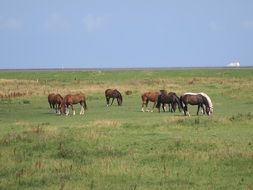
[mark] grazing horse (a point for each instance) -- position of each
(194, 99)
(69, 100)
(146, 97)
(54, 101)
(110, 93)
(171, 99)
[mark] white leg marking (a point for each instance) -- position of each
(82, 111)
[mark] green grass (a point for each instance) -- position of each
(121, 147)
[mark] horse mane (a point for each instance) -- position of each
(190, 93)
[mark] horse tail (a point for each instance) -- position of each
(181, 102)
(85, 105)
(178, 102)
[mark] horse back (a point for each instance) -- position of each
(151, 96)
(74, 99)
(192, 99)
(50, 97)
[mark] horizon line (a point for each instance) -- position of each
(119, 68)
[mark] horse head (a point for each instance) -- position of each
(62, 107)
(207, 105)
(120, 99)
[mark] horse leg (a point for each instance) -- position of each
(82, 108)
(112, 100)
(67, 110)
(153, 106)
(57, 108)
(146, 106)
(186, 110)
(159, 107)
(163, 107)
(107, 101)
(203, 108)
(73, 110)
(198, 110)
(142, 107)
(170, 107)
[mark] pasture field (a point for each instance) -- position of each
(122, 147)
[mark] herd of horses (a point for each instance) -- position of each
(162, 98)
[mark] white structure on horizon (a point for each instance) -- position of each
(234, 64)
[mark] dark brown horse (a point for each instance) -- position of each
(110, 93)
(54, 101)
(194, 99)
(171, 99)
(146, 97)
(69, 100)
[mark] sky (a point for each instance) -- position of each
(125, 33)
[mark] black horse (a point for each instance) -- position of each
(110, 93)
(194, 99)
(171, 99)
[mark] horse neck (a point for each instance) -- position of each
(177, 98)
(205, 101)
(120, 97)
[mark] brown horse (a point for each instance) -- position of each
(110, 93)
(69, 100)
(54, 101)
(171, 99)
(149, 96)
(194, 99)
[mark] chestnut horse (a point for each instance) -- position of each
(69, 100)
(195, 99)
(171, 99)
(54, 101)
(110, 93)
(146, 97)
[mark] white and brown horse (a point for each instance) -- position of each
(196, 99)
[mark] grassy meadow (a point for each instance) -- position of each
(122, 147)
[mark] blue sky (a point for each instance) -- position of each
(130, 33)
